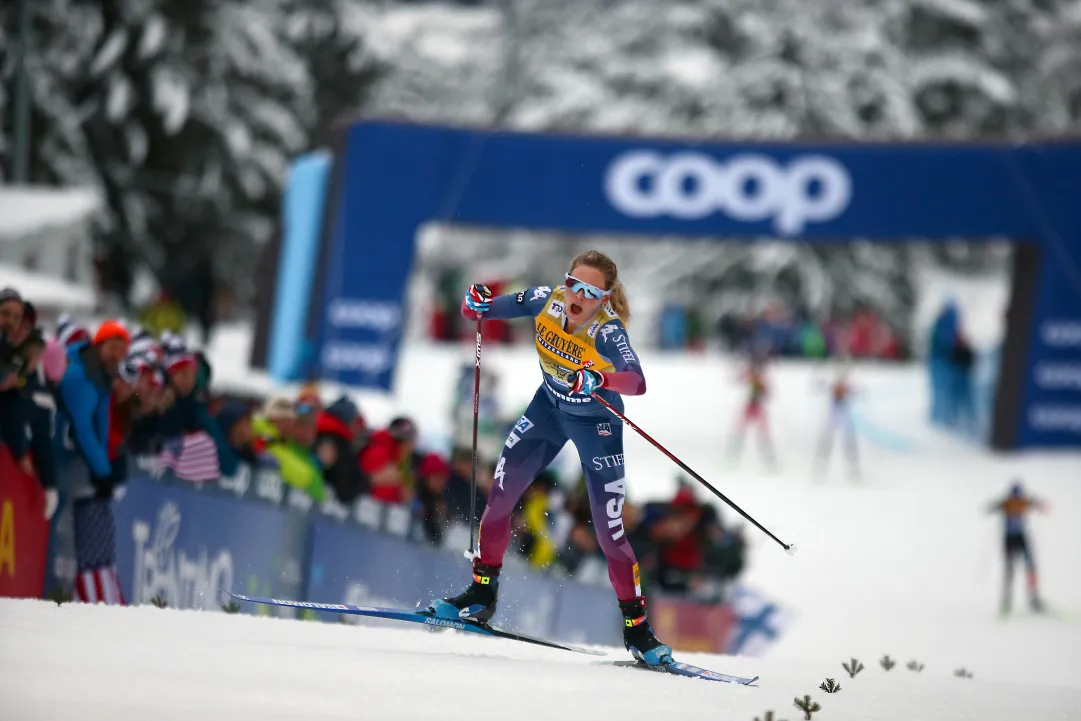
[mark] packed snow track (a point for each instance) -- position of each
(91, 663)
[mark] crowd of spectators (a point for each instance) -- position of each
(777, 329)
(787, 333)
(117, 392)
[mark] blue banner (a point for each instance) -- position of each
(182, 544)
(350, 565)
(397, 177)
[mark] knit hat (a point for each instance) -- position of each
(345, 410)
(176, 354)
(69, 332)
(402, 429)
(30, 314)
(230, 414)
(143, 343)
(309, 394)
(433, 465)
(279, 408)
(10, 294)
(128, 371)
(111, 330)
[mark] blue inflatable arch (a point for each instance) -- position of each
(386, 179)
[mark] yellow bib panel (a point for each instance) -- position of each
(562, 353)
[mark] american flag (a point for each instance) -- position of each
(192, 457)
(99, 585)
(95, 552)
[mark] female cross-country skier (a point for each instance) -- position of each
(839, 423)
(754, 411)
(583, 349)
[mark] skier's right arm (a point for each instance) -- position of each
(479, 303)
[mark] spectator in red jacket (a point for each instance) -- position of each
(388, 461)
(337, 447)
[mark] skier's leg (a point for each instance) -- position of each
(530, 447)
(735, 443)
(850, 440)
(1007, 579)
(825, 444)
(1030, 576)
(765, 441)
(600, 446)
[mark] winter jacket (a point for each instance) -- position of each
(84, 400)
(345, 476)
(40, 407)
(189, 414)
(383, 450)
(298, 467)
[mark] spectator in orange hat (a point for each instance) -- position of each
(84, 399)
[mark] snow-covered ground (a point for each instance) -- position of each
(902, 562)
(112, 664)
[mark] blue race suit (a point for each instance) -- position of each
(557, 414)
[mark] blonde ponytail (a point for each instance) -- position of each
(607, 266)
(618, 299)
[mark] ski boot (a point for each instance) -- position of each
(638, 635)
(478, 601)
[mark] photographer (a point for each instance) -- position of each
(13, 431)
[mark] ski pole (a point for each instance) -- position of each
(789, 547)
(471, 553)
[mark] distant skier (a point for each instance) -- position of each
(754, 411)
(1013, 508)
(583, 348)
(839, 422)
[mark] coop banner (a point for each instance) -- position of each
(182, 544)
(397, 177)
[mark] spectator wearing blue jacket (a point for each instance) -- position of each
(84, 399)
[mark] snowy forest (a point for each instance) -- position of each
(186, 114)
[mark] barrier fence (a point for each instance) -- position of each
(183, 543)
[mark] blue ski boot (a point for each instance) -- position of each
(478, 601)
(638, 636)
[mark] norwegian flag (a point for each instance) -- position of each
(192, 457)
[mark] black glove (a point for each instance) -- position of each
(103, 487)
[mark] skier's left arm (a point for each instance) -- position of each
(614, 344)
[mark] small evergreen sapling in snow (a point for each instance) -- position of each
(887, 662)
(830, 686)
(853, 667)
(767, 717)
(159, 601)
(962, 673)
(915, 665)
(60, 595)
(807, 706)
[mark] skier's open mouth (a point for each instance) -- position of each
(575, 309)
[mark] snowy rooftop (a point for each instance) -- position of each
(26, 210)
(45, 291)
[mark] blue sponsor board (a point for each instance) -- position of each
(359, 567)
(183, 544)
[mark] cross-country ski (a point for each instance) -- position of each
(427, 619)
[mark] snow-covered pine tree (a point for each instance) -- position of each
(186, 115)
